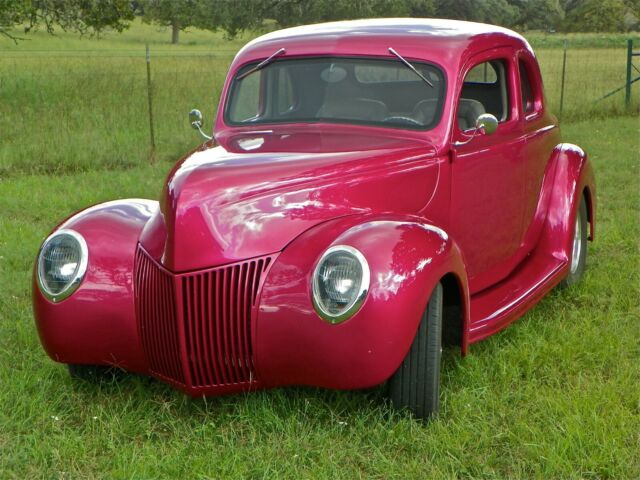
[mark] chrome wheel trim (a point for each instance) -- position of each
(577, 245)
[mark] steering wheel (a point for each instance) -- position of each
(401, 119)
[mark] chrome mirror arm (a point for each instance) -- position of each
(471, 137)
(198, 126)
(195, 118)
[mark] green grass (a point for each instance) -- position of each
(71, 104)
(556, 395)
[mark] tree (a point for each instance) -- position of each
(537, 14)
(78, 15)
(596, 16)
(239, 15)
(498, 12)
(177, 14)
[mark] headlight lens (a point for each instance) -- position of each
(340, 283)
(62, 263)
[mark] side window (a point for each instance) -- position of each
(484, 90)
(528, 100)
(482, 73)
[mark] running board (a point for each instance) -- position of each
(496, 307)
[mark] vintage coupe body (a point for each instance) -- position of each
(374, 190)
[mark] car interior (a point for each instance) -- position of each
(484, 91)
(362, 91)
(380, 92)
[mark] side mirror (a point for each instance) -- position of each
(195, 119)
(487, 123)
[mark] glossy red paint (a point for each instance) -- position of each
(496, 213)
(294, 346)
(97, 324)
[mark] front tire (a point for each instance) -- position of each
(578, 259)
(416, 384)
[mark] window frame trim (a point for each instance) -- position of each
(533, 73)
(508, 55)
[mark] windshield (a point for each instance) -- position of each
(334, 89)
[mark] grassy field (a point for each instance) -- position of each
(69, 104)
(556, 395)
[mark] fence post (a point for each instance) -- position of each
(152, 136)
(627, 92)
(564, 70)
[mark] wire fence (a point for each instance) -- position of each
(62, 111)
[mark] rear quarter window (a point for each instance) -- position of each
(482, 73)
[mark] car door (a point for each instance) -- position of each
(487, 189)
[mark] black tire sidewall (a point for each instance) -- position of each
(416, 384)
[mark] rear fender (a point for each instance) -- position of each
(573, 178)
(406, 257)
(97, 324)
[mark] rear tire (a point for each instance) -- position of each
(92, 373)
(416, 384)
(578, 260)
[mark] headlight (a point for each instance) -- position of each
(340, 283)
(62, 263)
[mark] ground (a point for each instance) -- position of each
(556, 395)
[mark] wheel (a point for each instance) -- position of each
(416, 384)
(579, 249)
(92, 373)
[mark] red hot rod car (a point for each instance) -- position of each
(374, 190)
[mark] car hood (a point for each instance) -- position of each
(252, 193)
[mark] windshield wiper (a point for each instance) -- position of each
(410, 67)
(262, 64)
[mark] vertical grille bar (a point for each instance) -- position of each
(156, 313)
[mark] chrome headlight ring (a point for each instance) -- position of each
(350, 267)
(71, 248)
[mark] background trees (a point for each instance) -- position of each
(234, 16)
(83, 16)
(550, 15)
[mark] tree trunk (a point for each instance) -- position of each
(175, 32)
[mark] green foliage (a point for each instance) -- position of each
(179, 14)
(596, 16)
(79, 15)
(568, 15)
(236, 16)
(498, 12)
(537, 14)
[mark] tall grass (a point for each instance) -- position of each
(73, 104)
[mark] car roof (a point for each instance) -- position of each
(441, 37)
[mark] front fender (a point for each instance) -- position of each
(407, 258)
(97, 324)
